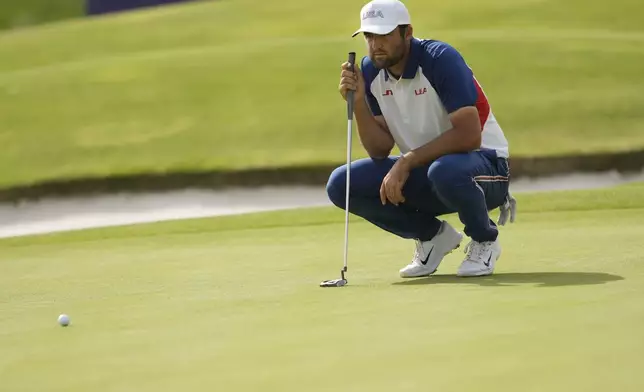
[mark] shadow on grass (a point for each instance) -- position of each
(541, 279)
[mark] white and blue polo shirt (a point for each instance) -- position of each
(436, 81)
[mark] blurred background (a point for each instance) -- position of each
(104, 96)
(33, 12)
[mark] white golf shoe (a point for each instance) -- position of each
(481, 258)
(429, 254)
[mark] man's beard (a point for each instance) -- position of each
(388, 62)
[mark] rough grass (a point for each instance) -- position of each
(246, 83)
(26, 13)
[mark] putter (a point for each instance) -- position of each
(343, 281)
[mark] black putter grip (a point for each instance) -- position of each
(352, 61)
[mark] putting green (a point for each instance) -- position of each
(233, 303)
(247, 83)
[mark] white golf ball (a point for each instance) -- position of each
(63, 320)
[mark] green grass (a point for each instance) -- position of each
(232, 303)
(247, 83)
(25, 13)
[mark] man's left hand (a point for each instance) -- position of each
(392, 184)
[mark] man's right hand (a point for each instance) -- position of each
(351, 81)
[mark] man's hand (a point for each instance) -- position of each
(351, 81)
(391, 187)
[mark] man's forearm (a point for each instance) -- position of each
(453, 141)
(376, 140)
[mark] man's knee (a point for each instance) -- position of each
(366, 177)
(447, 170)
(336, 186)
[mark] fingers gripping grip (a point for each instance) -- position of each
(352, 61)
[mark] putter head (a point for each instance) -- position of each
(334, 283)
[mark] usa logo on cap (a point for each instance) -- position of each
(372, 14)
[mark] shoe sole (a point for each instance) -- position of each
(458, 245)
(476, 274)
(481, 273)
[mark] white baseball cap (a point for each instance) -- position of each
(382, 17)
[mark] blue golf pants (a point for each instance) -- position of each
(470, 184)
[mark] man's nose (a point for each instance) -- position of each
(377, 44)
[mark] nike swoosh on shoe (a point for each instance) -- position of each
(427, 258)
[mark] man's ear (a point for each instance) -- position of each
(409, 33)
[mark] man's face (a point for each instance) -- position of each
(386, 50)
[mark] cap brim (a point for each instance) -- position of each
(380, 30)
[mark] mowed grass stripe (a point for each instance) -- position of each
(628, 42)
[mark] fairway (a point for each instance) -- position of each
(221, 85)
(233, 304)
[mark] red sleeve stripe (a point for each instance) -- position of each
(482, 104)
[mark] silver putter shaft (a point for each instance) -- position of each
(346, 198)
(343, 281)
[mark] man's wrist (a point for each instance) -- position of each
(360, 104)
(407, 160)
